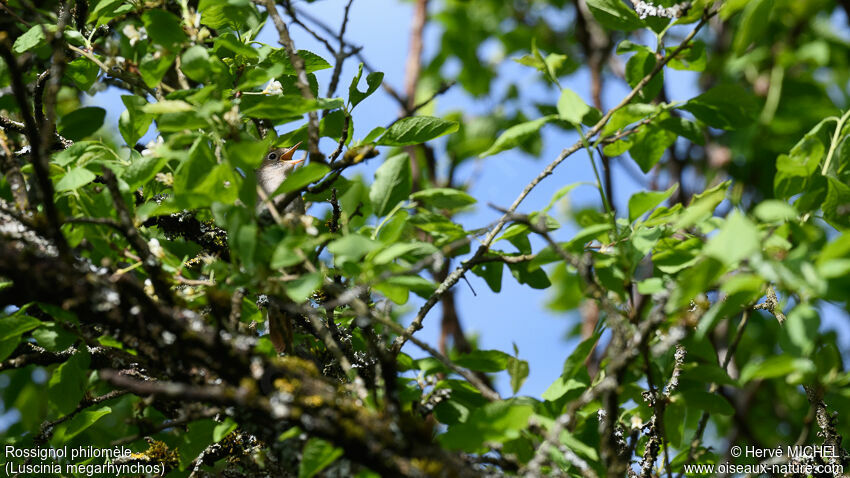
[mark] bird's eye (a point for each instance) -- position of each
(272, 156)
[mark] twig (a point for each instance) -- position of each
(21, 128)
(443, 88)
(703, 421)
(119, 73)
(294, 15)
(38, 96)
(189, 417)
(771, 304)
(346, 124)
(302, 81)
(486, 391)
(357, 52)
(211, 393)
(13, 14)
(97, 221)
(340, 55)
(47, 428)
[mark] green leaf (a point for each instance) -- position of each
(614, 15)
(373, 82)
(575, 362)
(559, 194)
(692, 58)
(416, 130)
(710, 402)
(703, 205)
(351, 248)
(53, 337)
(284, 254)
(302, 288)
(492, 274)
(639, 66)
(373, 135)
(67, 385)
(649, 145)
(725, 106)
(684, 128)
(568, 290)
(230, 42)
(836, 207)
(397, 287)
(167, 106)
(754, 22)
(399, 249)
(651, 286)
(393, 183)
(81, 421)
(518, 371)
(8, 346)
(17, 324)
(534, 276)
(571, 107)
(316, 456)
(562, 386)
(163, 28)
(302, 177)
(738, 239)
(443, 198)
(643, 201)
(517, 134)
(627, 115)
(312, 61)
(777, 366)
(801, 328)
(83, 72)
(549, 66)
(134, 121)
(494, 422)
(80, 123)
(247, 155)
(195, 63)
(196, 439)
(284, 108)
(224, 428)
(74, 179)
(774, 210)
(490, 361)
(31, 38)
(231, 14)
(103, 11)
(154, 67)
(142, 169)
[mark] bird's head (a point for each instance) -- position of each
(280, 159)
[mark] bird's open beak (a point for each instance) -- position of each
(287, 155)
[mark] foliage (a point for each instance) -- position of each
(155, 300)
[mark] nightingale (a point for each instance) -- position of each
(276, 167)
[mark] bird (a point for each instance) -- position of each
(275, 168)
